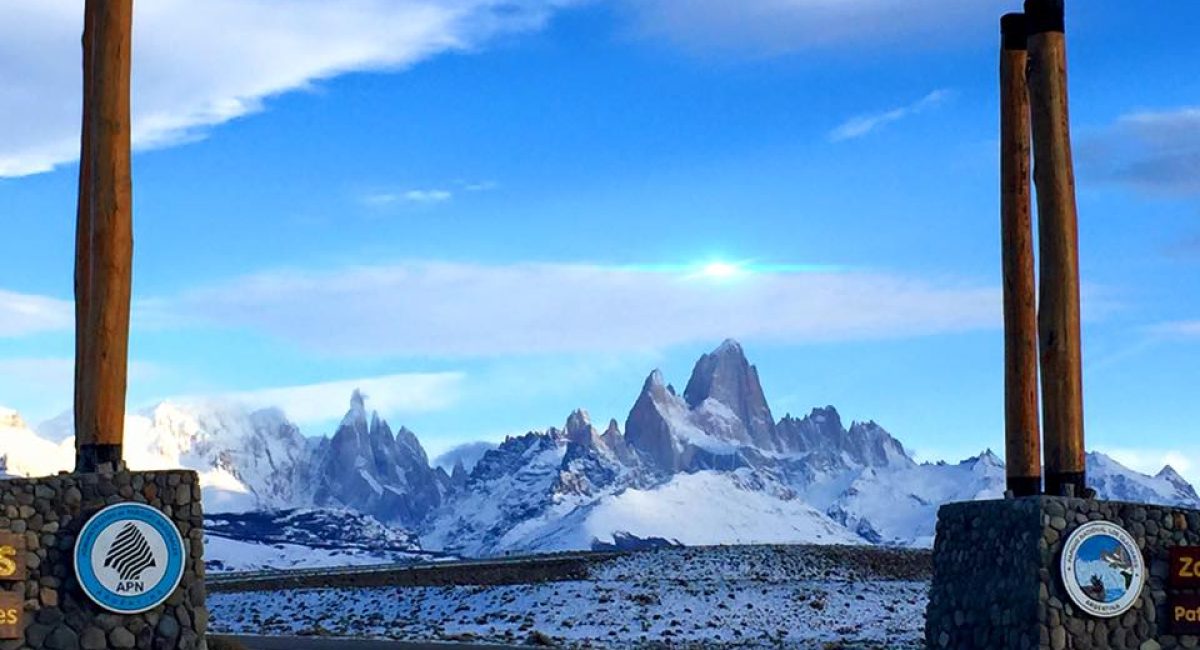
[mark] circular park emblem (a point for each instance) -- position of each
(129, 557)
(1103, 569)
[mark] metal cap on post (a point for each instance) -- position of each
(1021, 431)
(1058, 239)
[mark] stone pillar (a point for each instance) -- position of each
(997, 583)
(50, 512)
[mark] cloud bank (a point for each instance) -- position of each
(399, 394)
(1157, 152)
(1178, 329)
(457, 310)
(23, 314)
(199, 64)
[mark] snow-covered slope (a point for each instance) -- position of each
(508, 494)
(246, 459)
(708, 508)
(306, 538)
(1112, 480)
(898, 505)
(24, 453)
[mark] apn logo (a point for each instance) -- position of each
(130, 555)
(129, 558)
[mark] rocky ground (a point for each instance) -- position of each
(754, 596)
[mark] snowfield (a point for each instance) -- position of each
(227, 555)
(758, 596)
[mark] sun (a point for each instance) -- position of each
(721, 270)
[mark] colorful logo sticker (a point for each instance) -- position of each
(1103, 569)
(129, 558)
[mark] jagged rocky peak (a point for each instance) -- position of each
(1182, 487)
(459, 477)
(615, 443)
(579, 428)
(864, 444)
(987, 459)
(725, 376)
(358, 408)
(649, 426)
(1168, 473)
(371, 469)
(872, 445)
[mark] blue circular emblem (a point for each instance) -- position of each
(1103, 569)
(129, 558)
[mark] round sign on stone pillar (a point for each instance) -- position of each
(129, 558)
(1103, 569)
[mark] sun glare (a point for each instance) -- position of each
(721, 270)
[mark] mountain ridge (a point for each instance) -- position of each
(710, 466)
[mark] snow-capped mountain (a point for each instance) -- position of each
(710, 466)
(368, 468)
(1113, 480)
(246, 459)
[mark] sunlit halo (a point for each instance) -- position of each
(721, 270)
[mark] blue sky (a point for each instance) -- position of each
(489, 213)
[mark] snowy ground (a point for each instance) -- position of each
(223, 555)
(746, 596)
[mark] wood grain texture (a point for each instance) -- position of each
(83, 245)
(1058, 236)
(106, 213)
(1021, 430)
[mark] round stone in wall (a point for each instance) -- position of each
(1103, 569)
(129, 558)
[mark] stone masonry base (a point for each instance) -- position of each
(996, 581)
(50, 511)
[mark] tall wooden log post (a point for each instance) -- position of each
(1058, 236)
(104, 235)
(1021, 435)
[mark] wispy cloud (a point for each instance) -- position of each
(781, 26)
(398, 394)
(1177, 329)
(22, 314)
(471, 310)
(480, 186)
(200, 64)
(419, 197)
(861, 125)
(1153, 151)
(426, 196)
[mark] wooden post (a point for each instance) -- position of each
(1021, 436)
(1058, 236)
(104, 235)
